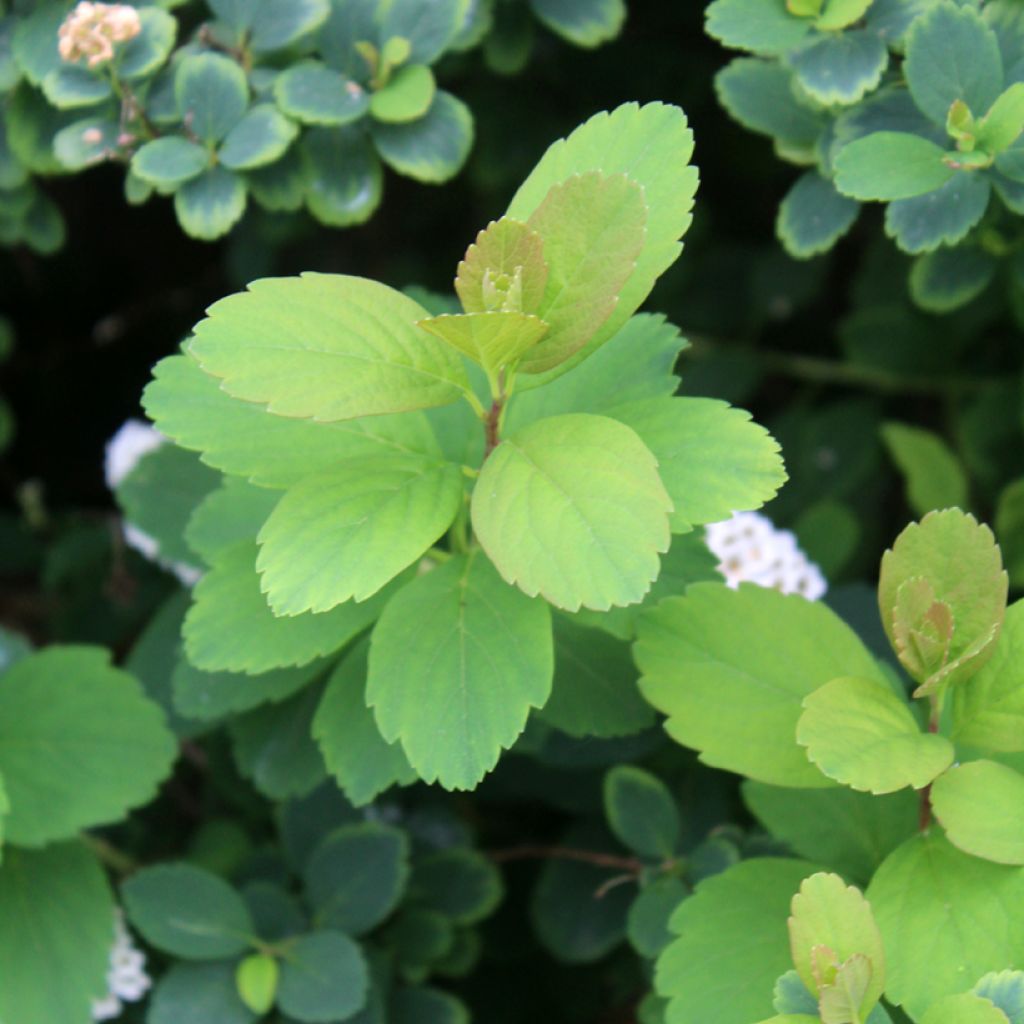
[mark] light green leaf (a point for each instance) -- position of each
(240, 437)
(328, 347)
(836, 14)
(964, 1008)
(733, 926)
(55, 900)
(946, 919)
(406, 97)
(947, 279)
(493, 340)
(169, 162)
(356, 754)
(324, 978)
(259, 138)
(813, 216)
(652, 146)
(1004, 122)
(890, 165)
(712, 459)
(952, 55)
(848, 831)
(828, 913)
(593, 227)
(201, 993)
(343, 177)
(959, 563)
(942, 217)
(934, 478)
(79, 744)
(482, 657)
(504, 269)
(858, 732)
(344, 535)
(210, 205)
(641, 812)
(761, 26)
(842, 67)
(212, 93)
(315, 94)
(582, 22)
(188, 912)
(988, 708)
(981, 806)
(432, 148)
(233, 512)
(731, 668)
(256, 980)
(541, 511)
(230, 627)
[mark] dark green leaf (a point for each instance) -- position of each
(942, 217)
(315, 94)
(641, 812)
(433, 148)
(198, 994)
(211, 93)
(840, 67)
(324, 978)
(814, 216)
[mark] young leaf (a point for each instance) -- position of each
(731, 667)
(188, 912)
(503, 269)
(344, 535)
(840, 67)
(327, 347)
(541, 512)
(641, 812)
(1004, 122)
(981, 806)
(432, 148)
(652, 146)
(960, 562)
(256, 980)
(594, 229)
(763, 27)
(483, 657)
(201, 993)
(315, 94)
(858, 732)
(80, 744)
(212, 93)
(934, 477)
(406, 97)
(966, 913)
(323, 978)
(890, 165)
(493, 340)
(813, 216)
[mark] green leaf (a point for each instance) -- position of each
(813, 216)
(343, 177)
(981, 806)
(1006, 990)
(828, 913)
(1004, 122)
(357, 876)
(731, 668)
(760, 26)
(649, 915)
(462, 884)
(432, 148)
(84, 143)
(946, 919)
(540, 511)
(712, 459)
(188, 912)
(418, 939)
(71, 87)
(259, 138)
(504, 269)
(838, 14)
(79, 744)
(328, 347)
(169, 162)
(858, 732)
(230, 627)
(641, 812)
(964, 1008)
(483, 657)
(582, 22)
(652, 146)
(429, 28)
(201, 993)
(733, 926)
(210, 205)
(273, 451)
(406, 97)
(947, 279)
(323, 978)
(362, 763)
(890, 165)
(275, 26)
(840, 67)
(344, 535)
(144, 54)
(988, 708)
(425, 1006)
(760, 95)
(942, 217)
(233, 512)
(848, 831)
(312, 93)
(34, 45)
(1009, 525)
(952, 55)
(959, 602)
(934, 477)
(493, 340)
(212, 93)
(594, 691)
(56, 899)
(593, 229)
(279, 187)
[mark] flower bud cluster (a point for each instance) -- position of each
(127, 980)
(90, 31)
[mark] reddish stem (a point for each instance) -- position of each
(630, 865)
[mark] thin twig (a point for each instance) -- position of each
(632, 865)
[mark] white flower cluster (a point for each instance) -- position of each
(750, 550)
(133, 440)
(91, 30)
(127, 980)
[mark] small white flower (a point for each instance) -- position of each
(127, 980)
(750, 550)
(90, 31)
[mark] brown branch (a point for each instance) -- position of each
(630, 865)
